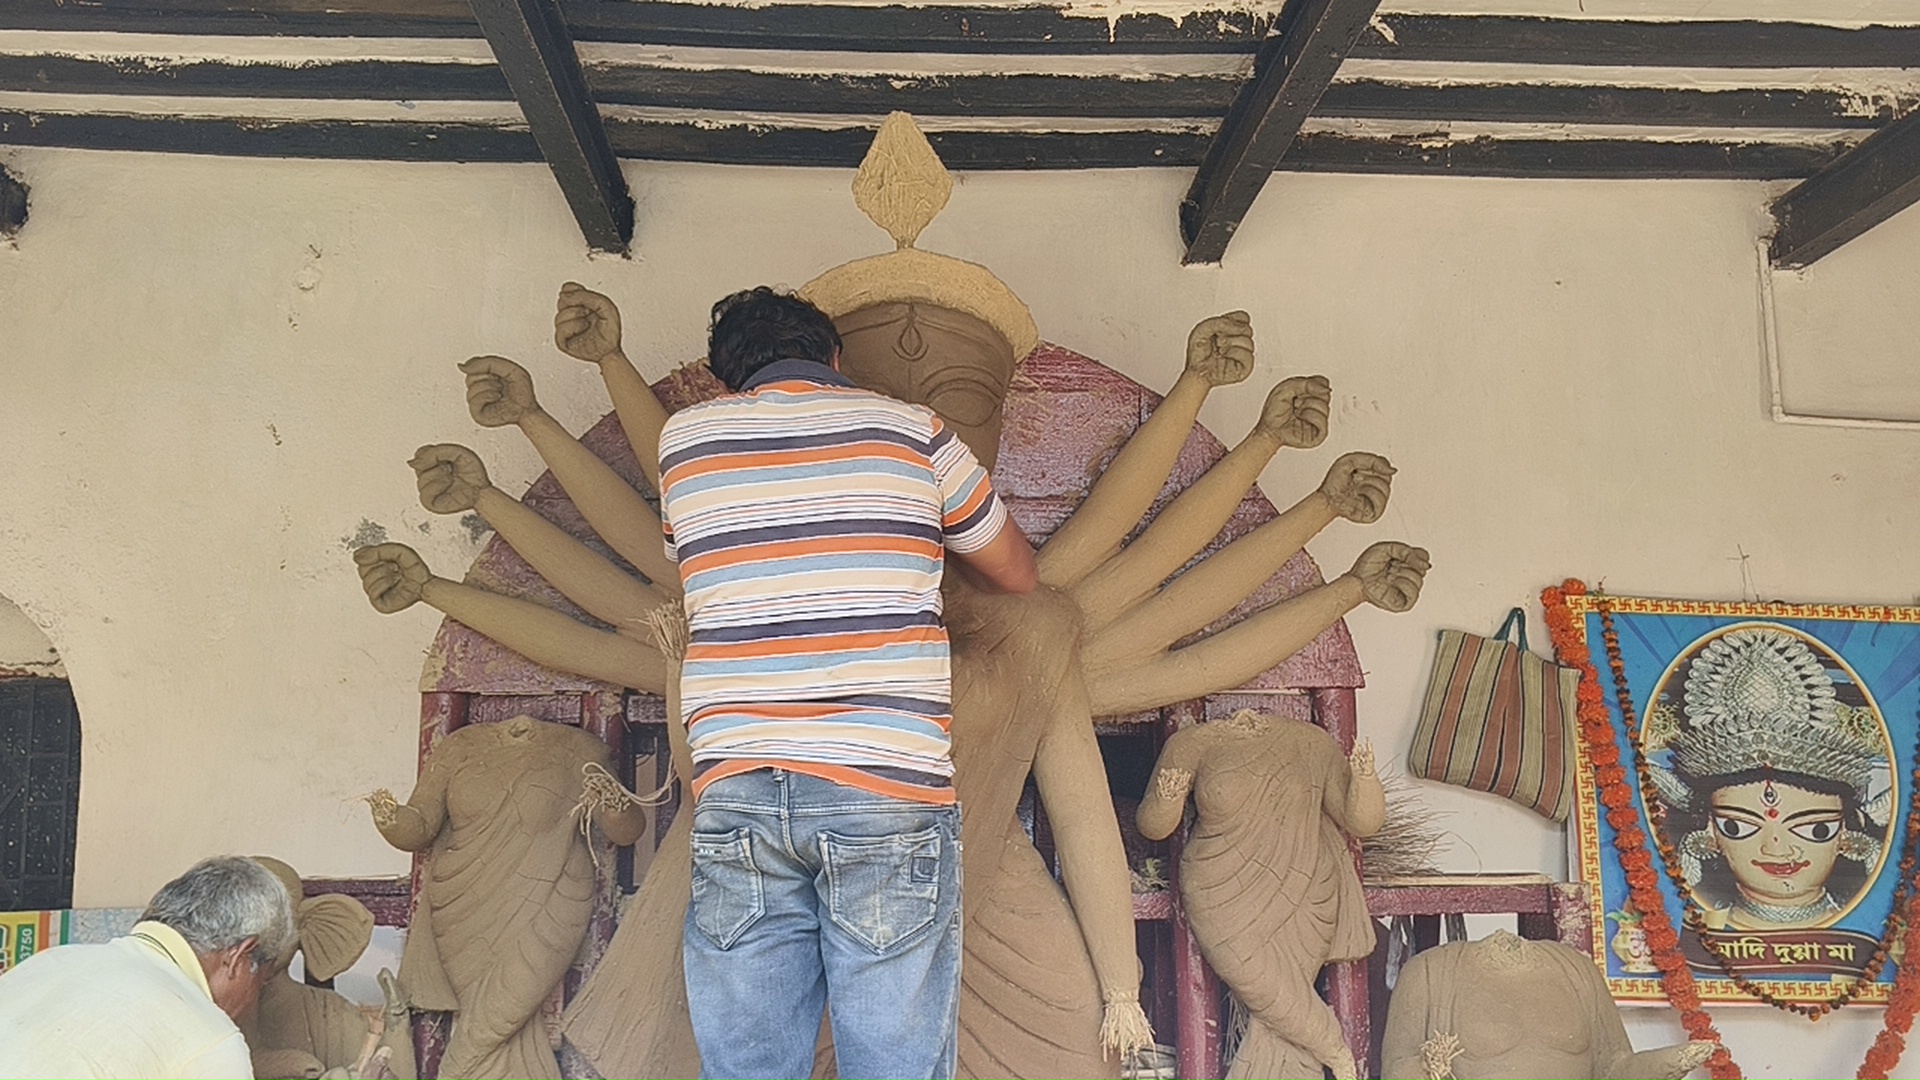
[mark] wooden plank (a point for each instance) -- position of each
(536, 54)
(1029, 28)
(1541, 103)
(1290, 74)
(1692, 43)
(1036, 95)
(1874, 181)
(843, 147)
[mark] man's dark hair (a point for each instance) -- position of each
(754, 328)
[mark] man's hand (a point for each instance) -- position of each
(1358, 485)
(1220, 349)
(586, 325)
(1390, 574)
(451, 477)
(499, 391)
(393, 575)
(1296, 411)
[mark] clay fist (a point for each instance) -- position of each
(451, 477)
(393, 576)
(1220, 349)
(1391, 573)
(586, 325)
(499, 391)
(1358, 485)
(1296, 411)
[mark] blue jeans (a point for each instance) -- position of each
(810, 895)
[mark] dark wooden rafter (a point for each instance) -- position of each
(1290, 74)
(1186, 96)
(1031, 28)
(536, 55)
(843, 147)
(1874, 181)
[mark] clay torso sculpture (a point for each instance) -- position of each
(1267, 878)
(298, 1030)
(1507, 1007)
(509, 886)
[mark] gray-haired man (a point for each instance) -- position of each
(160, 1001)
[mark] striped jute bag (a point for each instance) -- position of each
(1498, 718)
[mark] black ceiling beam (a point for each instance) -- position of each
(1033, 28)
(531, 44)
(946, 95)
(843, 147)
(1675, 43)
(1290, 74)
(1869, 184)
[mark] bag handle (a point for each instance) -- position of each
(1518, 616)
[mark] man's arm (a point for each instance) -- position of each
(1005, 565)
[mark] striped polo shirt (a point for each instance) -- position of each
(810, 520)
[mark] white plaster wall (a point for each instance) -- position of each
(24, 649)
(214, 371)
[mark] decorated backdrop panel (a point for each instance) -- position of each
(1768, 748)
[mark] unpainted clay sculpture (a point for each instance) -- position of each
(1051, 978)
(298, 1030)
(1504, 1006)
(509, 886)
(1269, 883)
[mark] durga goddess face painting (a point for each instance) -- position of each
(1772, 764)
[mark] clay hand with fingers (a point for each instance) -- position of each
(1357, 486)
(1296, 411)
(499, 391)
(450, 476)
(1220, 349)
(393, 576)
(1390, 574)
(1361, 761)
(586, 324)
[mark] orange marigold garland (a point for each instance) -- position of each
(1603, 753)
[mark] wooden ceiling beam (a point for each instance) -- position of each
(1037, 95)
(1686, 43)
(1290, 74)
(843, 146)
(536, 55)
(1864, 187)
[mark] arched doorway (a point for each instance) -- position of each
(39, 769)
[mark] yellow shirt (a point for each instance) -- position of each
(138, 1006)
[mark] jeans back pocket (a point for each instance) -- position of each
(728, 896)
(883, 889)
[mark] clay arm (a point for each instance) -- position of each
(500, 392)
(586, 326)
(1359, 804)
(1165, 803)
(1388, 575)
(1410, 1017)
(1664, 1063)
(1219, 352)
(1356, 488)
(452, 480)
(395, 578)
(1295, 415)
(1068, 770)
(412, 826)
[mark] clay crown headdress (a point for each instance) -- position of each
(902, 186)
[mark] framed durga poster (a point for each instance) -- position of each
(1768, 750)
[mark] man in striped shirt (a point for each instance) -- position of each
(811, 521)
